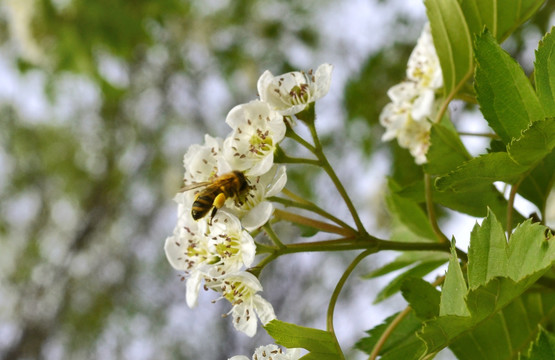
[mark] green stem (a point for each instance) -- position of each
(348, 243)
(369, 243)
(293, 135)
(337, 291)
(333, 176)
(286, 159)
(316, 224)
(398, 319)
(272, 234)
(307, 205)
(451, 95)
(387, 333)
(488, 135)
(262, 264)
(510, 204)
(430, 208)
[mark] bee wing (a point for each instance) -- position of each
(195, 186)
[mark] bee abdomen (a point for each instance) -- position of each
(201, 206)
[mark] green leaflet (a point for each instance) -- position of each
(421, 269)
(487, 252)
(543, 347)
(506, 97)
(500, 17)
(474, 201)
(422, 297)
(538, 184)
(480, 171)
(534, 144)
(508, 332)
(494, 283)
(454, 289)
(405, 259)
(544, 73)
(452, 42)
(320, 344)
(410, 215)
(446, 150)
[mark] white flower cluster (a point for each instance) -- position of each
(271, 352)
(217, 248)
(413, 101)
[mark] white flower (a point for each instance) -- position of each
(203, 162)
(240, 289)
(253, 209)
(271, 352)
(405, 118)
(413, 101)
(290, 93)
(187, 250)
(417, 101)
(423, 66)
(415, 136)
(257, 130)
(234, 246)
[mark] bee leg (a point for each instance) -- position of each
(219, 201)
(214, 210)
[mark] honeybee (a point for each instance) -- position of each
(216, 192)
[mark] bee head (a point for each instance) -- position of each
(244, 183)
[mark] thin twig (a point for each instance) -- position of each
(313, 223)
(307, 205)
(430, 208)
(333, 176)
(337, 291)
(488, 135)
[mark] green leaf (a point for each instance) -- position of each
(487, 252)
(419, 270)
(526, 252)
(320, 344)
(544, 72)
(452, 42)
(423, 263)
(542, 348)
(481, 171)
(494, 287)
(409, 214)
(402, 343)
(446, 150)
(506, 97)
(406, 259)
(422, 297)
(474, 201)
(454, 288)
(535, 143)
(501, 18)
(509, 331)
(538, 184)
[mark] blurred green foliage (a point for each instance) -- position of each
(85, 192)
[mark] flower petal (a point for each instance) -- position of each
(175, 252)
(244, 321)
(322, 80)
(193, 288)
(264, 309)
(258, 216)
(280, 179)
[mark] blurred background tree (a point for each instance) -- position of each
(99, 100)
